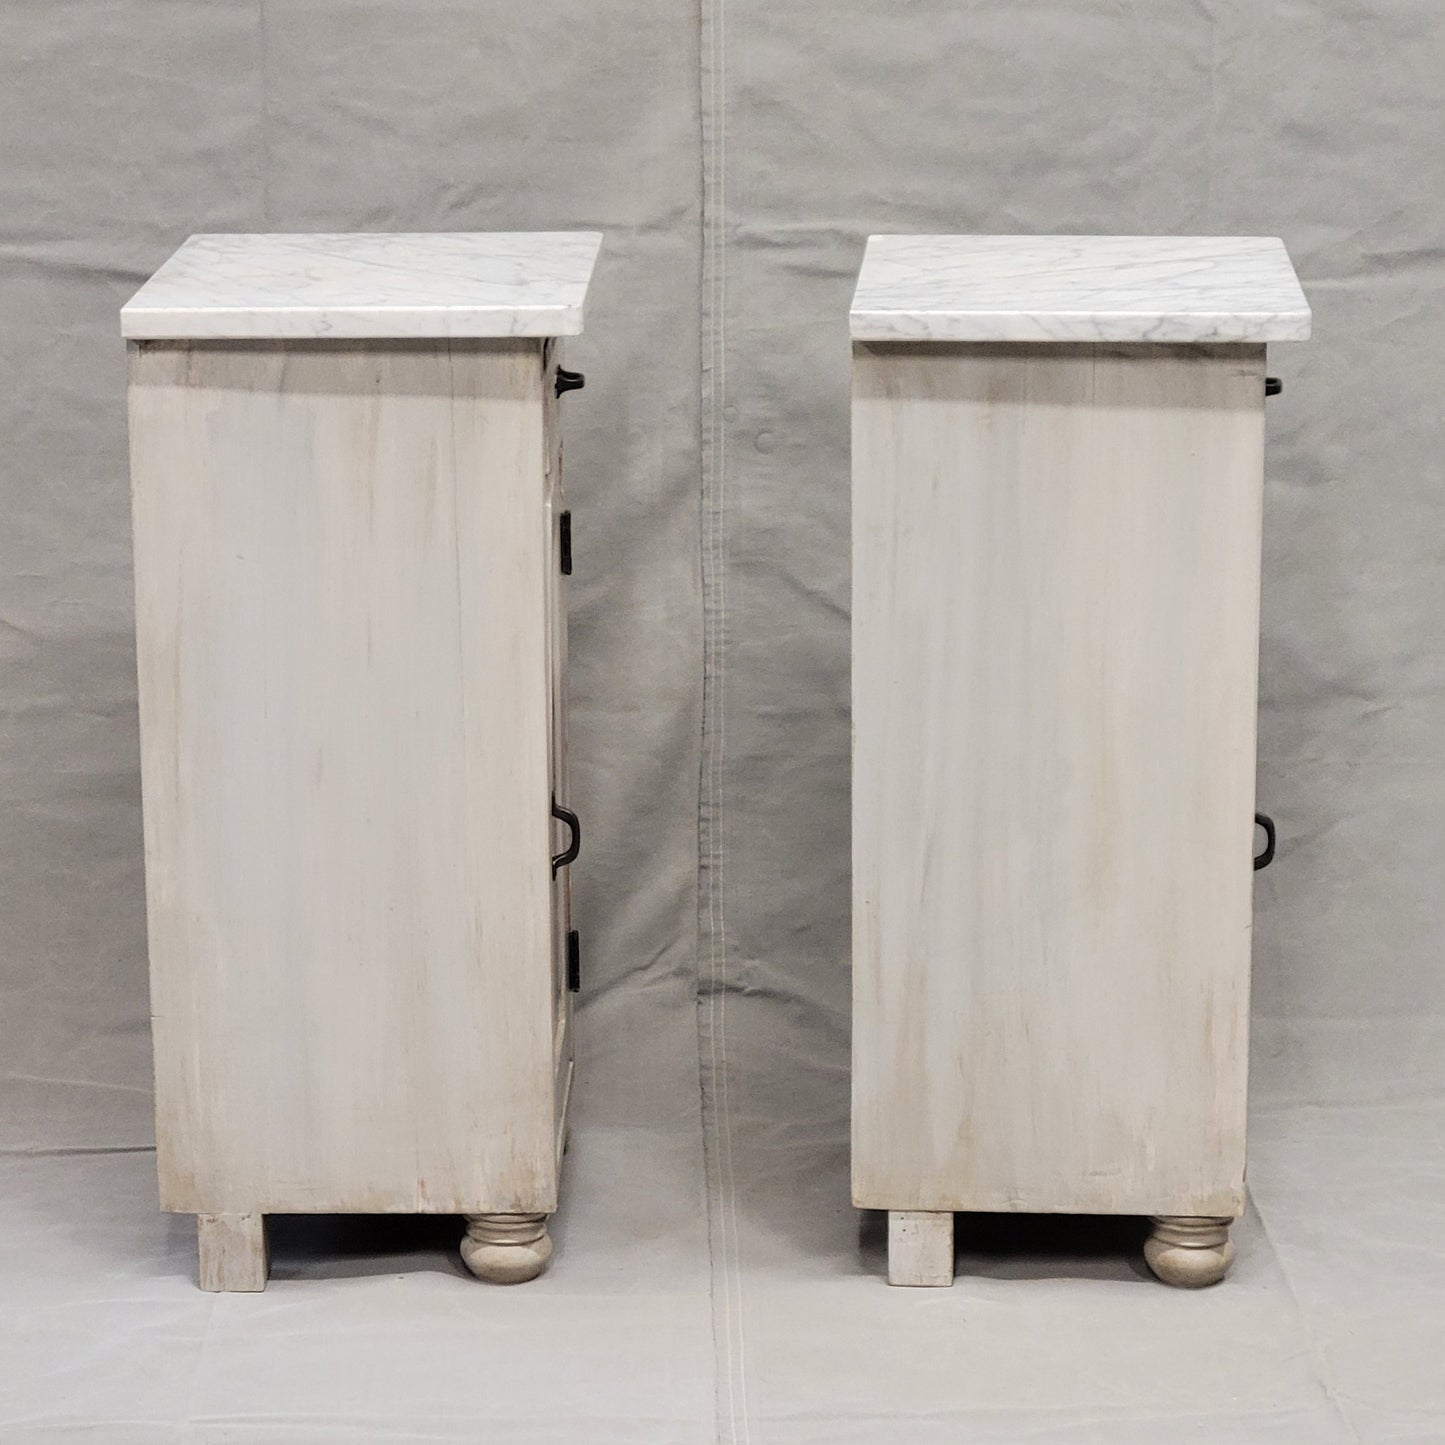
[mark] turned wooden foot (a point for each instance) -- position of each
(233, 1252)
(920, 1247)
(506, 1248)
(1189, 1251)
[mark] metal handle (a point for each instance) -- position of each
(1263, 860)
(569, 854)
(569, 380)
(1273, 386)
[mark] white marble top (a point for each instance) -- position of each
(1078, 288)
(456, 284)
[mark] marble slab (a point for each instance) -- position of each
(453, 284)
(1078, 288)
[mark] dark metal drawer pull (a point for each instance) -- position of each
(569, 855)
(1263, 860)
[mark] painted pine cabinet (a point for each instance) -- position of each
(351, 548)
(1057, 485)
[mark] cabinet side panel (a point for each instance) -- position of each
(504, 574)
(345, 814)
(1055, 642)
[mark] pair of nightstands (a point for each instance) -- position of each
(351, 557)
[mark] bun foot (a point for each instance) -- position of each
(1188, 1251)
(506, 1248)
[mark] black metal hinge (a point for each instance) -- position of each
(565, 544)
(574, 961)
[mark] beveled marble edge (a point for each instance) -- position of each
(377, 323)
(359, 286)
(1078, 288)
(1084, 326)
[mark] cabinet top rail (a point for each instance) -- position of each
(445, 284)
(1078, 288)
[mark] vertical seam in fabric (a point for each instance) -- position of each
(713, 982)
(264, 159)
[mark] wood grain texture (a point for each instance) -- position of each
(1055, 624)
(920, 1248)
(232, 1252)
(341, 556)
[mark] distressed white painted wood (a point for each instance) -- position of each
(232, 1251)
(920, 1247)
(1055, 639)
(351, 679)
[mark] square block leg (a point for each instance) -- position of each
(233, 1252)
(920, 1247)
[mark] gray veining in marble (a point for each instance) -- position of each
(449, 284)
(1078, 288)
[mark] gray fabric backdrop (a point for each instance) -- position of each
(736, 155)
